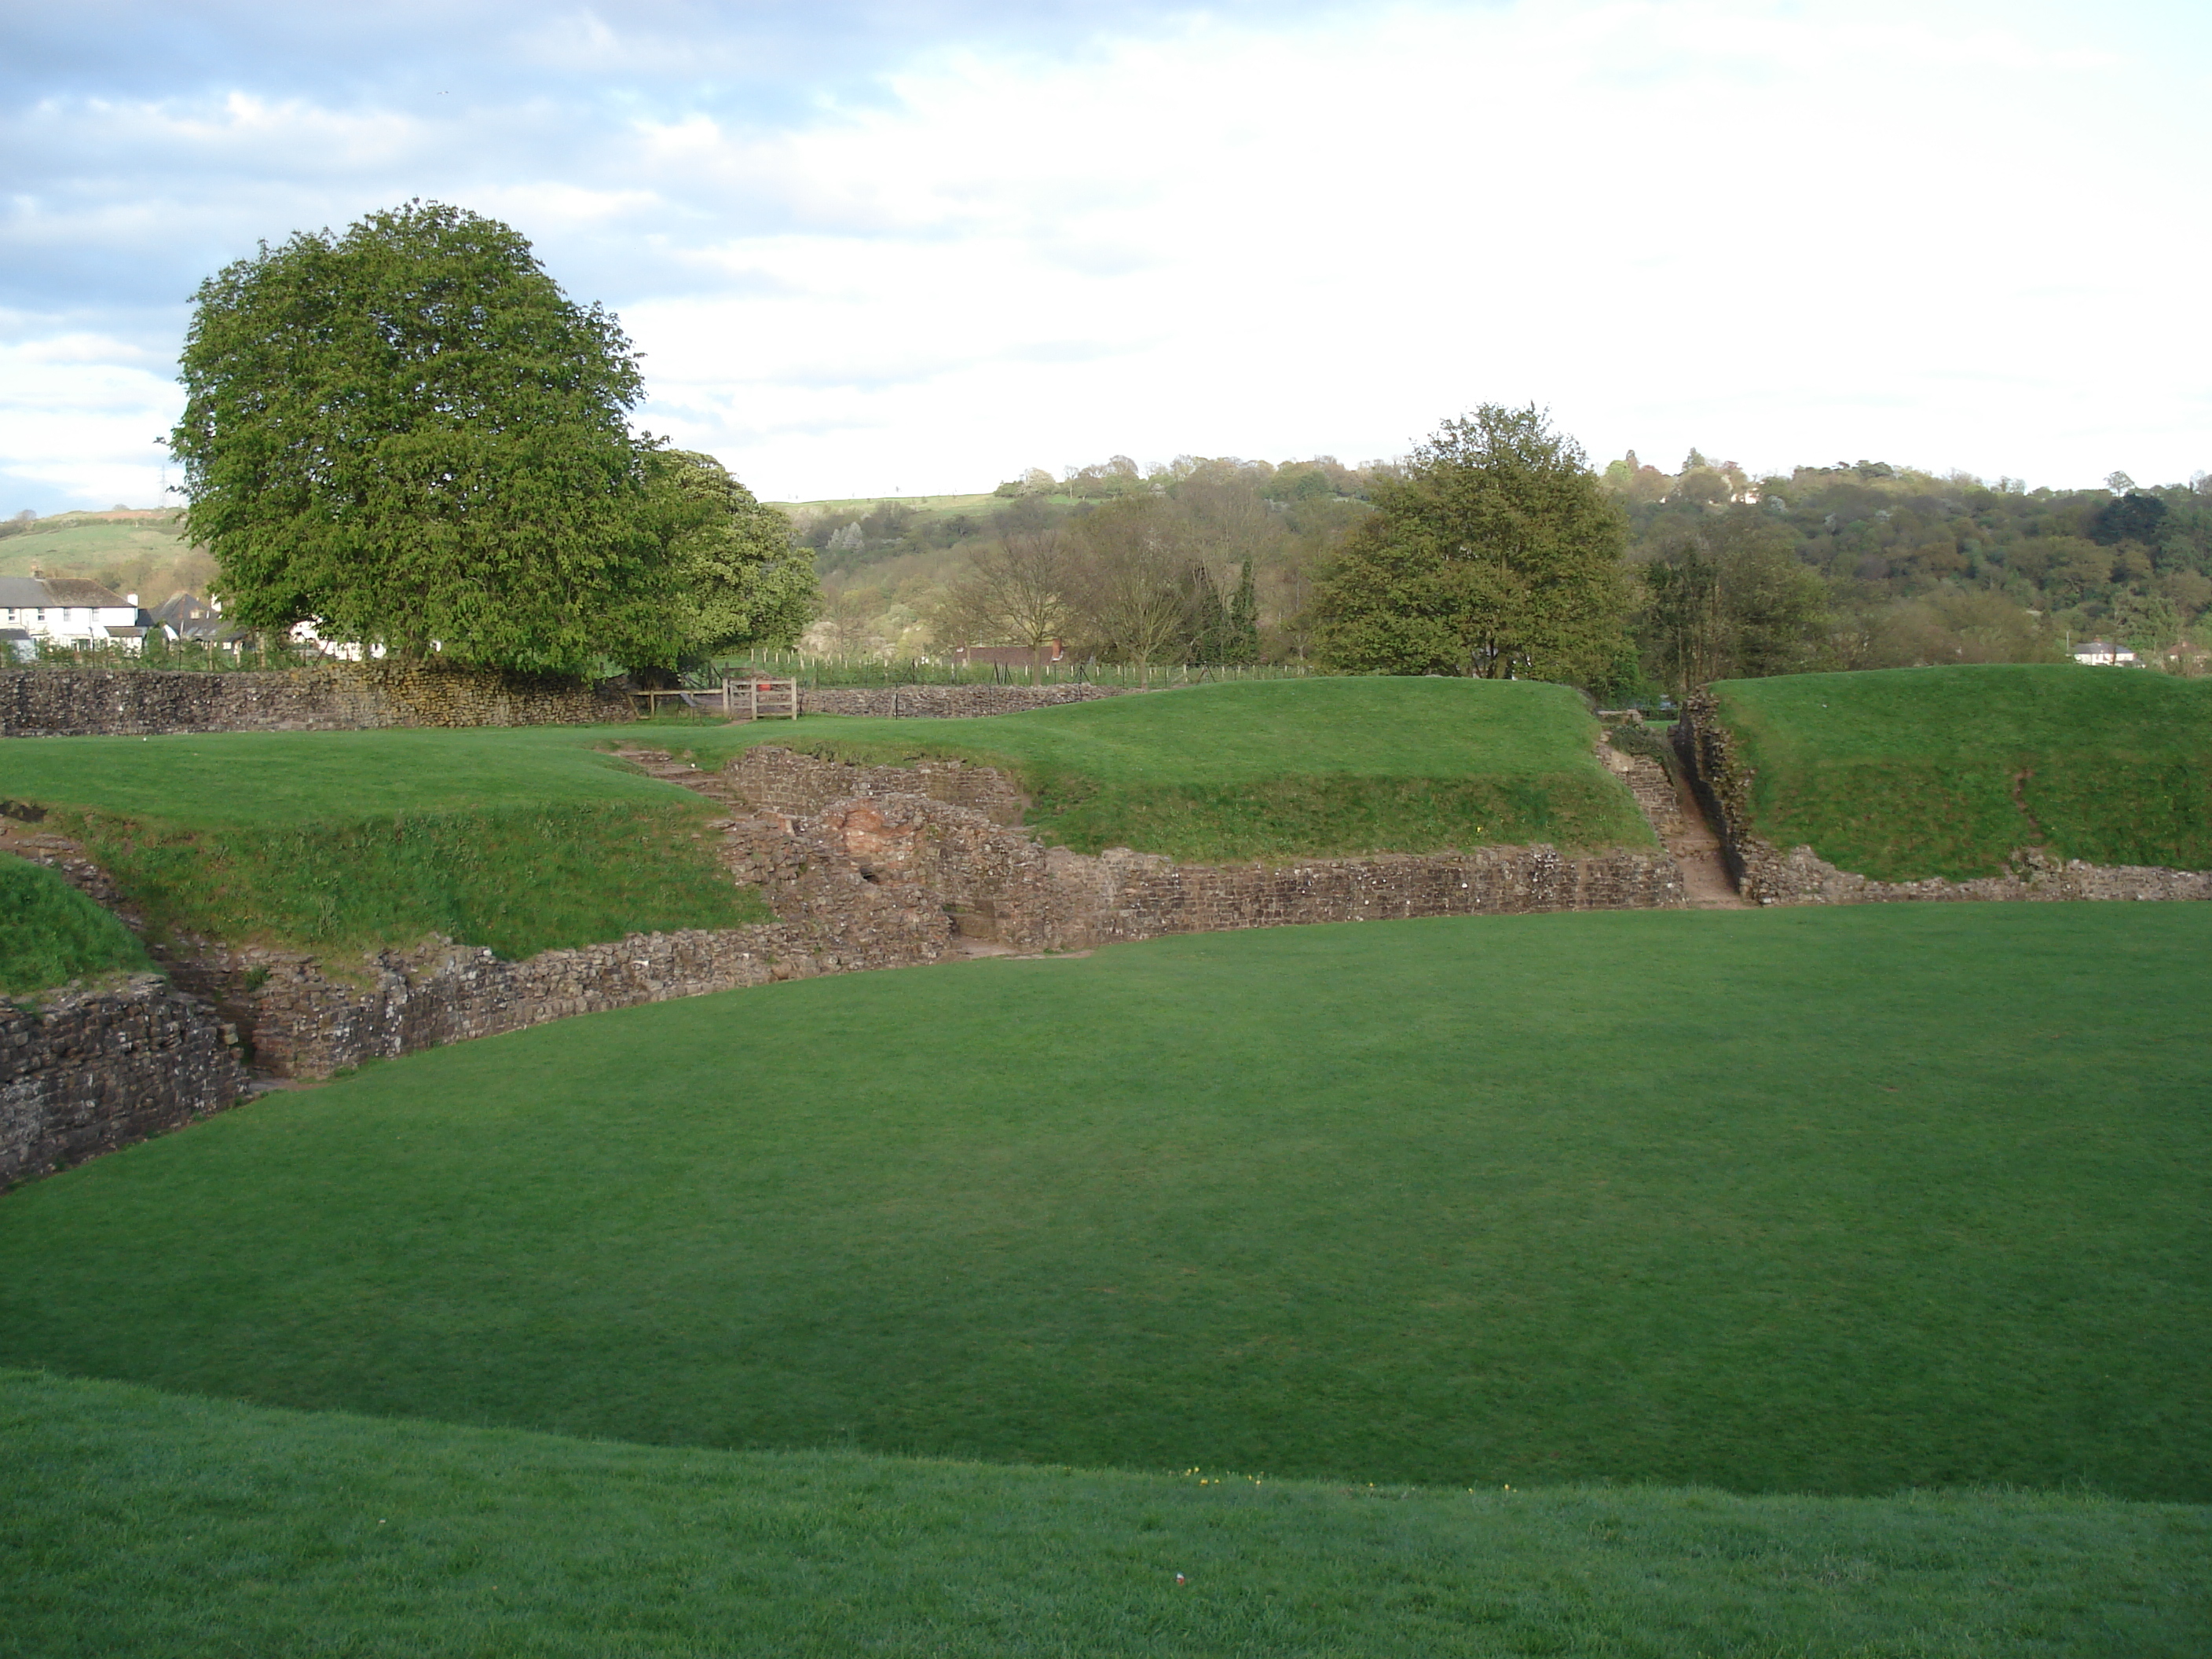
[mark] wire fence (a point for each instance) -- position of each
(859, 670)
(249, 653)
(190, 656)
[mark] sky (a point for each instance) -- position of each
(919, 248)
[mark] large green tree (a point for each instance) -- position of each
(1494, 553)
(739, 579)
(409, 431)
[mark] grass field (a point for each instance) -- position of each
(1865, 1199)
(50, 933)
(522, 840)
(139, 1523)
(1278, 768)
(1915, 772)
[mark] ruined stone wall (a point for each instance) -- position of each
(92, 1071)
(1001, 887)
(772, 778)
(948, 701)
(305, 1015)
(878, 877)
(39, 702)
(1767, 875)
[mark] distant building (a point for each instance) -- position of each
(306, 638)
(188, 616)
(2104, 653)
(70, 611)
(17, 645)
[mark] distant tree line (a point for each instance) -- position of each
(1863, 565)
(1495, 548)
(410, 435)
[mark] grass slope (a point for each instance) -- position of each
(1280, 768)
(523, 841)
(1915, 772)
(1875, 1197)
(69, 544)
(50, 933)
(141, 1523)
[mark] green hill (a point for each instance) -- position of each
(1871, 1198)
(143, 556)
(143, 1524)
(53, 934)
(1279, 769)
(1916, 772)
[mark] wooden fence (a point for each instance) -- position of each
(748, 699)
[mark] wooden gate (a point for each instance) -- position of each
(749, 699)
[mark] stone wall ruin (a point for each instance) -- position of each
(89, 1070)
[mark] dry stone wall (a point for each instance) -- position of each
(44, 702)
(92, 1071)
(1764, 874)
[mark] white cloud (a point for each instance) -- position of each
(1787, 236)
(77, 415)
(1935, 235)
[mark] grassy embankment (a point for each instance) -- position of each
(144, 1524)
(1877, 1198)
(1916, 772)
(523, 841)
(527, 840)
(50, 934)
(1277, 769)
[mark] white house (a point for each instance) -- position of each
(70, 611)
(2103, 652)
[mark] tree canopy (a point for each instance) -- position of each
(408, 433)
(1495, 553)
(739, 579)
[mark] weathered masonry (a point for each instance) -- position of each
(95, 1069)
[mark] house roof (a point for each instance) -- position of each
(76, 590)
(183, 608)
(36, 592)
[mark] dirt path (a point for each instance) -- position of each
(1673, 811)
(1705, 884)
